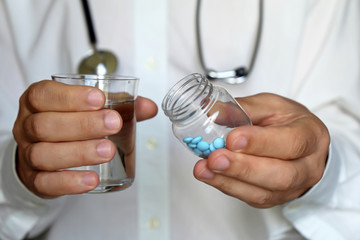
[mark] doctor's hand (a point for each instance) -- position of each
(276, 160)
(61, 126)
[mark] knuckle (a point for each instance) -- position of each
(35, 95)
(315, 177)
(36, 126)
(35, 180)
(305, 141)
(32, 156)
(286, 181)
(304, 145)
(299, 145)
(39, 183)
(262, 199)
(283, 184)
(23, 100)
(324, 134)
(16, 132)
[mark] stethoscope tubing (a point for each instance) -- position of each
(238, 75)
(89, 22)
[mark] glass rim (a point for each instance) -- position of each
(76, 76)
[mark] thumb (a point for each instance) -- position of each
(268, 109)
(281, 128)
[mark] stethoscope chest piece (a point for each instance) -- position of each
(98, 62)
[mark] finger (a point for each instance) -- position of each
(248, 193)
(72, 126)
(266, 173)
(286, 142)
(54, 156)
(266, 108)
(251, 194)
(145, 108)
(49, 95)
(55, 184)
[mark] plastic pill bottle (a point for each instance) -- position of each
(202, 114)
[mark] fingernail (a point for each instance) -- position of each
(103, 149)
(89, 179)
(239, 144)
(112, 120)
(220, 164)
(205, 174)
(95, 98)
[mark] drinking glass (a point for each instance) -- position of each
(120, 93)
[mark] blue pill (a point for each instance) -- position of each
(219, 143)
(197, 139)
(197, 151)
(206, 153)
(192, 145)
(212, 148)
(188, 139)
(203, 146)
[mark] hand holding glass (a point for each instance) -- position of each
(120, 93)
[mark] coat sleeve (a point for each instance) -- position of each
(21, 212)
(331, 90)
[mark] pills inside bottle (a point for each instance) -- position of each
(202, 115)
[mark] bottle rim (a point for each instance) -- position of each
(175, 105)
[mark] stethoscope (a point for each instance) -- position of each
(98, 61)
(237, 75)
(105, 62)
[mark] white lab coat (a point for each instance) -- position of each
(309, 51)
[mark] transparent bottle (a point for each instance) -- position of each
(202, 115)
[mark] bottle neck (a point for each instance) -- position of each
(190, 97)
